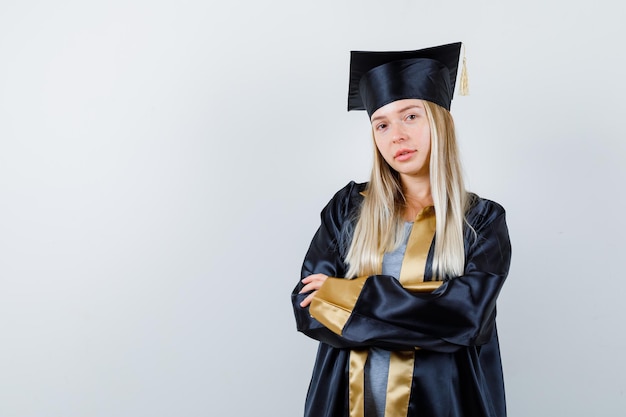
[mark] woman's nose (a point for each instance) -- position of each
(398, 134)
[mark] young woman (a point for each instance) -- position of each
(400, 282)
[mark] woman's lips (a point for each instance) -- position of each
(403, 154)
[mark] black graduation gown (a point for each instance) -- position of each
(457, 370)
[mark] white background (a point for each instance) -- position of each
(163, 165)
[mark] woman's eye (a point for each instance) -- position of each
(411, 117)
(381, 126)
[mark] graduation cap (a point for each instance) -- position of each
(379, 78)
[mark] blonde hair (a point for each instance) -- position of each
(379, 227)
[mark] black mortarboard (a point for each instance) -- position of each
(379, 78)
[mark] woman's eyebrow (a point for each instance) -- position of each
(409, 107)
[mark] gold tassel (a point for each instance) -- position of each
(464, 78)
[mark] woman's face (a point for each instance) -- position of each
(402, 136)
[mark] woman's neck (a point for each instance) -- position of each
(417, 196)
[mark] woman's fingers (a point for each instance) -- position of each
(311, 283)
(308, 299)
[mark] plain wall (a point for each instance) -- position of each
(163, 165)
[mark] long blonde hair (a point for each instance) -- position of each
(379, 227)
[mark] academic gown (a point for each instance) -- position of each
(449, 333)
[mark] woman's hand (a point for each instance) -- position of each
(311, 283)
